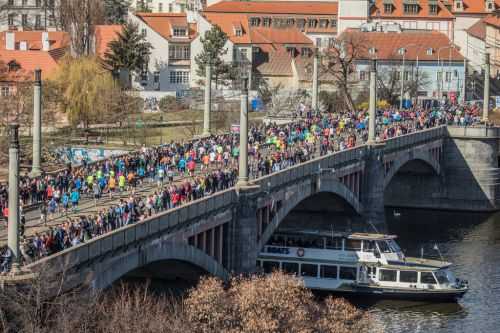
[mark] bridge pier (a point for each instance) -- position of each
(372, 194)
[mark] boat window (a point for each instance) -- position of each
(384, 248)
(334, 243)
(368, 246)
(313, 242)
(309, 270)
(388, 275)
(347, 273)
(442, 277)
(427, 277)
(328, 272)
(290, 267)
(408, 276)
(270, 266)
(353, 245)
(394, 246)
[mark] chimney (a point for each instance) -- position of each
(10, 40)
(45, 41)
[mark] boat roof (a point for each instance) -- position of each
(419, 264)
(349, 235)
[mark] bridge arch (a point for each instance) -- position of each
(117, 266)
(409, 157)
(325, 184)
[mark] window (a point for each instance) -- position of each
(160, 7)
(333, 23)
(439, 76)
(156, 77)
(38, 21)
(312, 23)
(144, 75)
(269, 266)
(290, 267)
(170, 8)
(388, 8)
(401, 51)
(144, 32)
(11, 2)
(448, 76)
(5, 91)
(309, 270)
(266, 22)
(388, 275)
(318, 42)
(334, 243)
(238, 32)
(397, 77)
(372, 50)
(384, 248)
(407, 75)
(458, 4)
(328, 272)
(301, 23)
(305, 51)
(11, 18)
(347, 273)
(38, 3)
(323, 23)
(290, 22)
(429, 51)
(442, 277)
(179, 77)
(408, 276)
(179, 32)
(433, 9)
(243, 54)
(25, 2)
(353, 244)
(24, 19)
(368, 246)
(427, 277)
(362, 76)
(254, 21)
(411, 8)
(179, 52)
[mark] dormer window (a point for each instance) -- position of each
(13, 66)
(433, 7)
(458, 5)
(305, 52)
(238, 31)
(301, 23)
(372, 50)
(411, 7)
(179, 32)
(490, 5)
(333, 23)
(290, 21)
(388, 7)
(429, 51)
(323, 23)
(401, 51)
(266, 22)
(312, 23)
(254, 21)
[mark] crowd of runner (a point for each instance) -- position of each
(181, 172)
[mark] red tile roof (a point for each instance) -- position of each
(476, 7)
(163, 23)
(493, 20)
(478, 30)
(226, 23)
(377, 10)
(276, 7)
(28, 62)
(57, 39)
(104, 34)
(388, 44)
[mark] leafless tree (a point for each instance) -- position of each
(338, 61)
(79, 18)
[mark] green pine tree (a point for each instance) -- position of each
(130, 51)
(214, 41)
(116, 11)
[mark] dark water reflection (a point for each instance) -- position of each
(472, 243)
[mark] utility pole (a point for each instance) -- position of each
(486, 97)
(315, 81)
(402, 81)
(208, 99)
(13, 225)
(464, 88)
(373, 103)
(243, 156)
(37, 124)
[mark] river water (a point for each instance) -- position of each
(472, 242)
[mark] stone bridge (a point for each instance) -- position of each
(440, 168)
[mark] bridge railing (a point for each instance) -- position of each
(474, 131)
(136, 232)
(415, 138)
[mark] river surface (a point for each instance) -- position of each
(470, 241)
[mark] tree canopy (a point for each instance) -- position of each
(130, 51)
(88, 93)
(213, 42)
(115, 11)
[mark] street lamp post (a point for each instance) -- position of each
(208, 99)
(315, 81)
(243, 154)
(372, 111)
(13, 225)
(402, 80)
(486, 95)
(36, 169)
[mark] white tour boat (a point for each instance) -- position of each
(359, 263)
